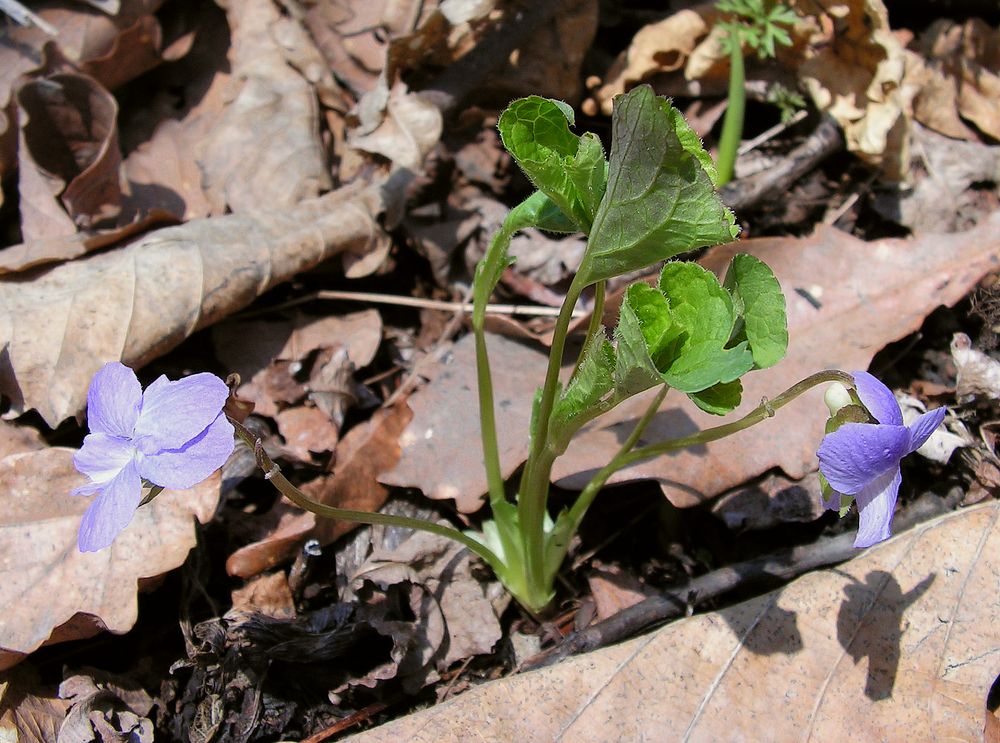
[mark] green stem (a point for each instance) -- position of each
(590, 491)
(732, 125)
(600, 289)
(487, 421)
(296, 496)
(762, 412)
(533, 493)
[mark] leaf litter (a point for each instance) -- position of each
(235, 150)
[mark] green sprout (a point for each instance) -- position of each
(759, 24)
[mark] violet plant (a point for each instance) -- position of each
(652, 199)
(759, 25)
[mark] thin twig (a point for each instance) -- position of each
(26, 17)
(516, 310)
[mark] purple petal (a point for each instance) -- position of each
(174, 413)
(857, 453)
(113, 400)
(922, 428)
(102, 456)
(878, 398)
(186, 467)
(876, 504)
(111, 511)
(833, 502)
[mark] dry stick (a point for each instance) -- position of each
(773, 182)
(677, 602)
(515, 310)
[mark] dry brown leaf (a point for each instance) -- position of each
(410, 127)
(27, 714)
(773, 501)
(264, 152)
(898, 644)
(264, 364)
(445, 569)
(16, 439)
(67, 151)
(960, 78)
(277, 535)
(139, 301)
(442, 454)
(869, 294)
(856, 74)
(59, 592)
(663, 46)
(265, 594)
(16, 258)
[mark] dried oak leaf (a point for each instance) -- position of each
(53, 591)
(264, 152)
(897, 644)
(137, 302)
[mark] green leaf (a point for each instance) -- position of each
(719, 399)
(760, 304)
(634, 368)
(704, 311)
(593, 379)
(692, 144)
(659, 200)
(569, 169)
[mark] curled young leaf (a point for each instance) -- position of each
(570, 170)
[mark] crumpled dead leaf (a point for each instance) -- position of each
(897, 644)
(264, 152)
(408, 129)
(960, 78)
(284, 342)
(895, 280)
(978, 374)
(61, 593)
(68, 151)
(104, 711)
(444, 568)
(27, 713)
(137, 302)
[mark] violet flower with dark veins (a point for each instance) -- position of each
(173, 435)
(862, 459)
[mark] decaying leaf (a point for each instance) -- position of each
(978, 374)
(64, 594)
(105, 710)
(897, 644)
(264, 153)
(960, 78)
(139, 301)
(410, 127)
(28, 714)
(265, 366)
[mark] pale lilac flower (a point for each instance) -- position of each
(173, 435)
(862, 459)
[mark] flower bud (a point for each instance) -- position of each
(837, 397)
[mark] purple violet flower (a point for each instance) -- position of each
(862, 459)
(173, 435)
